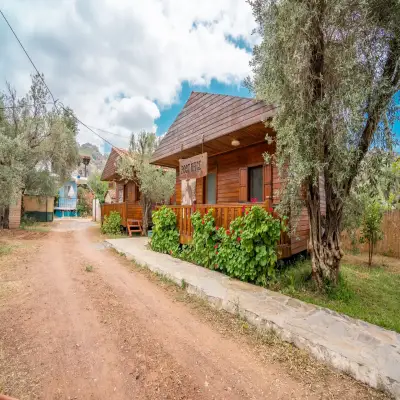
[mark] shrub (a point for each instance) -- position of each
(371, 226)
(202, 249)
(112, 224)
(247, 250)
(165, 238)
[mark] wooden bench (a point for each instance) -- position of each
(134, 226)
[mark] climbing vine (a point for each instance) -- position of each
(247, 250)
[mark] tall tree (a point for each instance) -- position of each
(156, 184)
(333, 68)
(38, 148)
(98, 186)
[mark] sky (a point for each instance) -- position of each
(128, 65)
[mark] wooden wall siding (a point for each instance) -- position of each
(14, 216)
(130, 192)
(232, 172)
(200, 190)
(206, 117)
(119, 192)
(276, 185)
(229, 168)
(300, 237)
(126, 211)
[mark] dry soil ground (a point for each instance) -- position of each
(78, 321)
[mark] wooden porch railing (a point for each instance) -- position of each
(223, 215)
(127, 210)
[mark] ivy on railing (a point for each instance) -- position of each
(247, 250)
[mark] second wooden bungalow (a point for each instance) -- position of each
(127, 194)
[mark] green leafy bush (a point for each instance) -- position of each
(371, 226)
(165, 238)
(247, 250)
(202, 248)
(111, 224)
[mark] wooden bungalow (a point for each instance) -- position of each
(216, 145)
(127, 194)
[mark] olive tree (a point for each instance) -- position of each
(332, 68)
(38, 148)
(156, 184)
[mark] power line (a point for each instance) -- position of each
(45, 84)
(24, 105)
(111, 133)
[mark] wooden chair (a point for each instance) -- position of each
(134, 226)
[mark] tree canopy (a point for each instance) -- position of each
(332, 68)
(156, 184)
(38, 147)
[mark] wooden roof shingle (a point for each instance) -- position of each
(206, 117)
(110, 169)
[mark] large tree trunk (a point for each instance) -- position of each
(325, 258)
(146, 210)
(325, 246)
(4, 217)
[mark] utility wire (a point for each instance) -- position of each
(45, 84)
(24, 105)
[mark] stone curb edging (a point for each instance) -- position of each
(374, 358)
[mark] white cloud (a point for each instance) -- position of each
(111, 61)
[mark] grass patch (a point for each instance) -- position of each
(35, 226)
(114, 236)
(89, 268)
(5, 249)
(370, 294)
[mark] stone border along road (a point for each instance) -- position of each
(367, 352)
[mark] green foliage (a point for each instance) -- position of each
(331, 68)
(5, 249)
(111, 224)
(84, 206)
(98, 186)
(156, 184)
(371, 226)
(378, 179)
(247, 250)
(165, 238)
(38, 148)
(202, 250)
(27, 221)
(89, 268)
(369, 294)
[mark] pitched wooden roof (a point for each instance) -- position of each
(110, 169)
(207, 117)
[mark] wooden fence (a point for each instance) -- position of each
(389, 245)
(223, 214)
(126, 210)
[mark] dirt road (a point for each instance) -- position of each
(78, 321)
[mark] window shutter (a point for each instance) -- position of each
(243, 185)
(267, 177)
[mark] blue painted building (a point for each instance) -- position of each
(67, 200)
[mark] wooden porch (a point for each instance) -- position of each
(223, 214)
(127, 210)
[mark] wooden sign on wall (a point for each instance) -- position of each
(193, 167)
